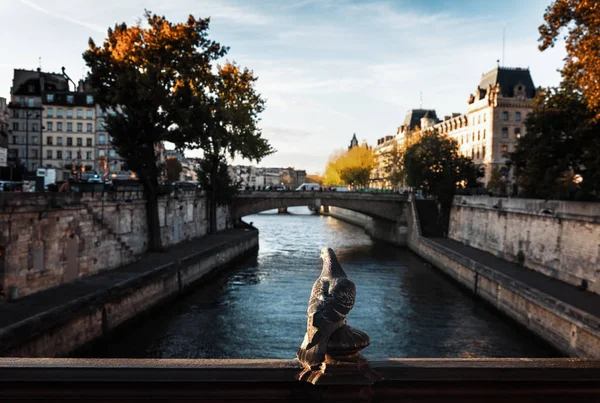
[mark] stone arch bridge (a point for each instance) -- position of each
(386, 213)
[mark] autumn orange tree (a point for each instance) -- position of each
(352, 167)
(581, 19)
(134, 73)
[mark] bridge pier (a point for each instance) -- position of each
(324, 209)
(282, 210)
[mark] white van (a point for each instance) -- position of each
(309, 186)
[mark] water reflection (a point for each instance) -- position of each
(257, 310)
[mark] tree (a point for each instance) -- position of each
(174, 169)
(562, 141)
(433, 165)
(496, 185)
(581, 18)
(352, 167)
(135, 74)
(314, 179)
(220, 117)
(393, 167)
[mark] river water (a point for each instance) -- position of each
(258, 308)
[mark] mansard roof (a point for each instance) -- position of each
(508, 78)
(414, 116)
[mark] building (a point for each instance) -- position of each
(26, 110)
(189, 167)
(353, 142)
(487, 132)
(69, 135)
(4, 122)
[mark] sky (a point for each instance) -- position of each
(327, 68)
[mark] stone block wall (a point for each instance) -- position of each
(560, 239)
(48, 239)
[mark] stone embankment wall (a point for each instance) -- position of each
(59, 331)
(556, 238)
(376, 228)
(48, 239)
(570, 330)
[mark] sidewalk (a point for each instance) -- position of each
(569, 294)
(25, 308)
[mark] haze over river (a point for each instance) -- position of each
(258, 308)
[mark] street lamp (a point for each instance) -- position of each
(577, 179)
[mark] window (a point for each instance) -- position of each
(15, 139)
(22, 100)
(477, 154)
(50, 97)
(88, 127)
(505, 132)
(30, 102)
(101, 139)
(101, 153)
(34, 153)
(59, 155)
(59, 113)
(69, 141)
(484, 133)
(34, 127)
(79, 127)
(479, 119)
(16, 126)
(89, 100)
(59, 126)
(69, 155)
(504, 150)
(79, 141)
(49, 140)
(101, 126)
(472, 153)
(69, 127)
(112, 153)
(16, 113)
(518, 116)
(518, 132)
(34, 139)
(484, 117)
(69, 99)
(24, 140)
(24, 127)
(49, 126)
(88, 155)
(49, 154)
(88, 142)
(79, 113)
(78, 155)
(483, 152)
(505, 116)
(69, 113)
(59, 141)
(30, 88)
(89, 114)
(478, 135)
(473, 137)
(50, 112)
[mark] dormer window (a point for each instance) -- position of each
(89, 100)
(70, 99)
(30, 89)
(50, 97)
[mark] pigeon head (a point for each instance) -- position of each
(331, 266)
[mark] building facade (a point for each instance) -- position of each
(4, 122)
(491, 127)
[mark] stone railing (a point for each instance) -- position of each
(423, 380)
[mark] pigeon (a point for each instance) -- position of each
(332, 297)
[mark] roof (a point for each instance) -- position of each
(414, 116)
(508, 78)
(79, 99)
(26, 82)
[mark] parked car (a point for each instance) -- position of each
(339, 189)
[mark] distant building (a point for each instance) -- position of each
(4, 122)
(487, 132)
(353, 142)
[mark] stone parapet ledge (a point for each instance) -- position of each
(424, 380)
(571, 210)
